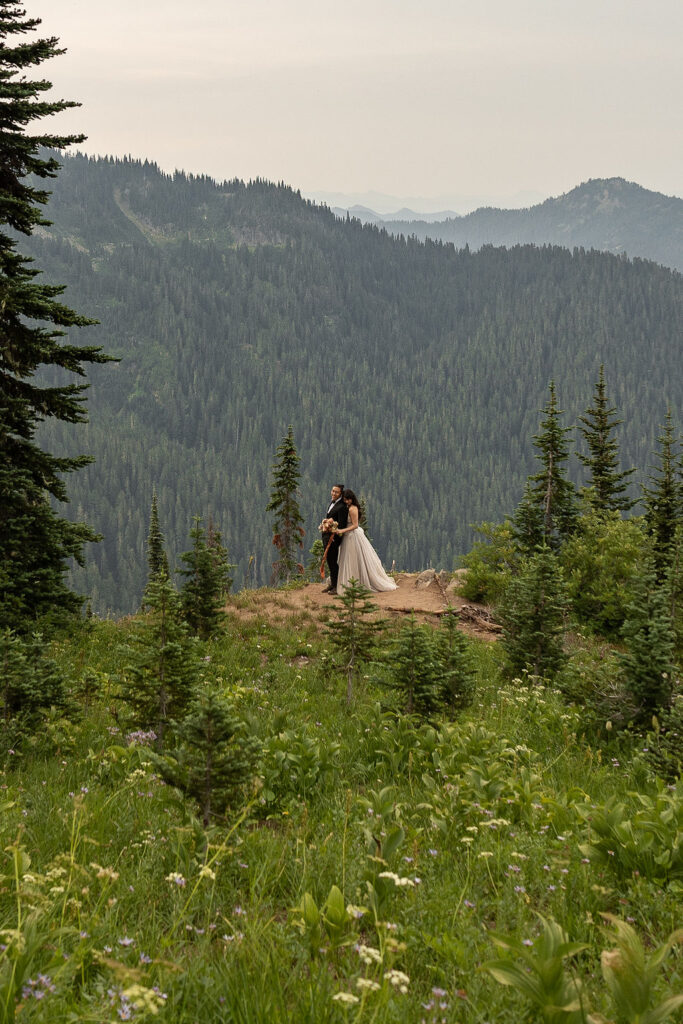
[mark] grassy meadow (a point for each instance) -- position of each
(378, 868)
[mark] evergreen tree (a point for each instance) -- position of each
(30, 682)
(532, 617)
(215, 758)
(207, 582)
(158, 679)
(527, 522)
(550, 490)
(35, 543)
(288, 532)
(455, 669)
(219, 554)
(415, 668)
(664, 500)
(649, 639)
(356, 632)
(607, 482)
(157, 560)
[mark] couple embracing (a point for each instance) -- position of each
(349, 553)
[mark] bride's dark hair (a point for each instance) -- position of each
(348, 493)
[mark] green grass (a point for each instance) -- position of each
(112, 891)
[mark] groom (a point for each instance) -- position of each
(338, 511)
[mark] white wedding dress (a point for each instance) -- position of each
(359, 560)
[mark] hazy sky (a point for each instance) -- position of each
(437, 98)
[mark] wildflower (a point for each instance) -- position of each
(125, 941)
(38, 988)
(356, 912)
(368, 984)
(176, 878)
(469, 904)
(369, 954)
(239, 912)
(140, 737)
(144, 959)
(345, 997)
(398, 979)
(433, 853)
(527, 942)
(108, 873)
(206, 872)
(396, 879)
(485, 853)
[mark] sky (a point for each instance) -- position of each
(445, 100)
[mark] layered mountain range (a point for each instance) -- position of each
(609, 214)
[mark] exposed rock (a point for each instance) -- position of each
(425, 579)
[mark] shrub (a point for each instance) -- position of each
(30, 682)
(600, 562)
(490, 563)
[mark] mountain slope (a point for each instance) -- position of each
(410, 371)
(608, 214)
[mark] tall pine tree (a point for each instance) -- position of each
(288, 531)
(664, 500)
(551, 492)
(35, 542)
(157, 560)
(605, 479)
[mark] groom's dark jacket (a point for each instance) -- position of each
(340, 513)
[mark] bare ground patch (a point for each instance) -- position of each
(427, 599)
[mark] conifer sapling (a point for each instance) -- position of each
(356, 632)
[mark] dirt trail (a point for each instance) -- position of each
(427, 598)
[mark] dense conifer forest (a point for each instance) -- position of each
(411, 371)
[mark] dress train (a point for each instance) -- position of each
(359, 560)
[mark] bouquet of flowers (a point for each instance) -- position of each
(329, 526)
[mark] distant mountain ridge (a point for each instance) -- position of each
(609, 214)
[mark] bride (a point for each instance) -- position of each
(357, 557)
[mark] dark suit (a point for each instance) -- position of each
(340, 513)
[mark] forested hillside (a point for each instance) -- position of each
(410, 371)
(609, 214)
